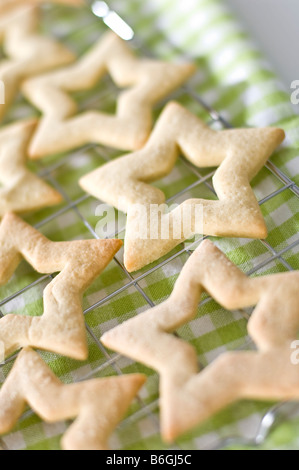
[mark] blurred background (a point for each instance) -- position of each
(274, 25)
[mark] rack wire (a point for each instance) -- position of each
(134, 282)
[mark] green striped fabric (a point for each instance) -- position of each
(238, 82)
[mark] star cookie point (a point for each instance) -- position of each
(28, 52)
(21, 190)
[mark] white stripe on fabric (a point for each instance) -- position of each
(271, 115)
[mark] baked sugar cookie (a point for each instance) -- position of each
(188, 397)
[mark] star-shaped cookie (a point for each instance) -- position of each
(98, 405)
(21, 190)
(239, 154)
(189, 397)
(148, 81)
(61, 328)
(28, 51)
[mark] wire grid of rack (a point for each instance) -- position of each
(135, 281)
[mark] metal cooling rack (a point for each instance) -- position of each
(118, 25)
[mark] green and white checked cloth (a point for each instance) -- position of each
(236, 80)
